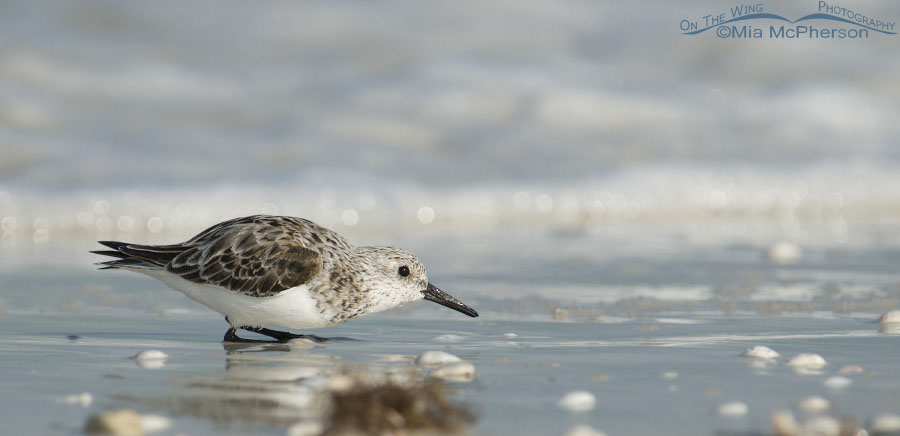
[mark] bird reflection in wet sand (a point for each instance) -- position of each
(290, 385)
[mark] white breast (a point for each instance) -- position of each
(293, 308)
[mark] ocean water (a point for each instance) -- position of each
(629, 201)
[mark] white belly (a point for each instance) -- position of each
(293, 308)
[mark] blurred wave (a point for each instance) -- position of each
(820, 206)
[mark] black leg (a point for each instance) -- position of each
(231, 336)
(280, 336)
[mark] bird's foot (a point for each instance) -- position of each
(282, 337)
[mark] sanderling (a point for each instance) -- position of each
(273, 270)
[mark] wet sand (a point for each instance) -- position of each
(646, 374)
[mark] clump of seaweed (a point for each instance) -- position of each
(390, 408)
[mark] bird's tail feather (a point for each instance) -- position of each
(134, 256)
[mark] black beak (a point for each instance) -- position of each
(432, 293)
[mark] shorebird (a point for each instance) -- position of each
(290, 272)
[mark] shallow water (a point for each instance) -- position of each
(610, 326)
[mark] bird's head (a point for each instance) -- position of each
(399, 277)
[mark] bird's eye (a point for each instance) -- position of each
(403, 271)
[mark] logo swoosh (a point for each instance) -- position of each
(744, 17)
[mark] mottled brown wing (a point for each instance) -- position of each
(251, 257)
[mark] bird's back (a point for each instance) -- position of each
(259, 255)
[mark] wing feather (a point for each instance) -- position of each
(260, 258)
